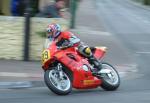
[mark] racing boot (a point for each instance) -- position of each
(92, 60)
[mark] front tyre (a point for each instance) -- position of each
(110, 81)
(60, 86)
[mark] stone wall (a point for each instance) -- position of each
(12, 36)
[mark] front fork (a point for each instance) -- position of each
(59, 70)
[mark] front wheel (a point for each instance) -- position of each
(59, 85)
(111, 80)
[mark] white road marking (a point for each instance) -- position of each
(138, 17)
(10, 74)
(144, 42)
(25, 84)
(95, 32)
(85, 30)
(141, 52)
(146, 21)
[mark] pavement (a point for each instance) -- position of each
(21, 74)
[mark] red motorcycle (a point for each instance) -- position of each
(66, 68)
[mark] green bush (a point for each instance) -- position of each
(41, 33)
(146, 2)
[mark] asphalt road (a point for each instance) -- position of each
(130, 23)
(129, 26)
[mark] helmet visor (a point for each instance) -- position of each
(49, 30)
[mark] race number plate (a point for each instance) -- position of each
(45, 56)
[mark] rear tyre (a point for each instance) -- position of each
(60, 86)
(110, 81)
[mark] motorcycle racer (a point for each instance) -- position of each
(66, 39)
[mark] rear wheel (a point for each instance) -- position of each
(110, 81)
(60, 85)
